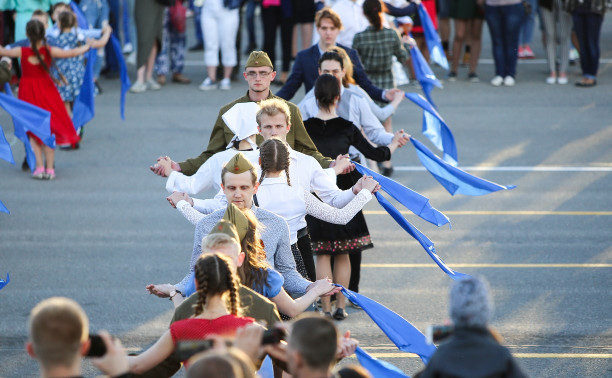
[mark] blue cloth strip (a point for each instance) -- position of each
(435, 129)
(84, 105)
(81, 20)
(412, 200)
(29, 117)
(427, 244)
(21, 135)
(452, 178)
(5, 148)
(378, 368)
(423, 73)
(436, 52)
(267, 369)
(4, 209)
(403, 334)
(123, 74)
(4, 283)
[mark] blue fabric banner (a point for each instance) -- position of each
(267, 369)
(123, 74)
(81, 20)
(427, 244)
(29, 118)
(432, 39)
(423, 73)
(4, 283)
(5, 148)
(412, 200)
(436, 130)
(4, 209)
(453, 179)
(403, 334)
(378, 368)
(84, 105)
(22, 136)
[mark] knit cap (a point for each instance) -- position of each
(470, 304)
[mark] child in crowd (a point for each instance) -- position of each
(37, 88)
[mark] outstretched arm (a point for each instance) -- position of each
(293, 307)
(57, 52)
(12, 53)
(106, 33)
(152, 356)
(333, 215)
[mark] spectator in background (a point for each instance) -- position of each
(197, 16)
(526, 33)
(443, 7)
(173, 45)
(96, 12)
(220, 25)
(472, 350)
(250, 22)
(304, 15)
(353, 20)
(149, 17)
(557, 29)
(468, 16)
(588, 17)
(274, 15)
(127, 21)
(504, 18)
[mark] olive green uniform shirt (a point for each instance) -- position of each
(221, 136)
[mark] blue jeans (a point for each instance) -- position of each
(197, 15)
(250, 21)
(588, 28)
(504, 25)
(529, 25)
(95, 12)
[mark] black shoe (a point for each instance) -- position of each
(387, 171)
(340, 314)
(585, 84)
(24, 166)
(197, 47)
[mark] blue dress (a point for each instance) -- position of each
(270, 290)
(73, 69)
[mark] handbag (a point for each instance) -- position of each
(178, 17)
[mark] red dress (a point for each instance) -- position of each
(37, 88)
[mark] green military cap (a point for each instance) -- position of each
(226, 227)
(259, 59)
(238, 164)
(234, 216)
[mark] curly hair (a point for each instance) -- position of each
(274, 156)
(214, 276)
(253, 272)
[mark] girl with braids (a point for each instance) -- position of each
(216, 312)
(37, 88)
(333, 136)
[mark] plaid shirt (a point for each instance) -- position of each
(376, 47)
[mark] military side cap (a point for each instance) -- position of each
(259, 59)
(234, 216)
(238, 164)
(226, 227)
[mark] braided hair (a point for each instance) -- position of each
(35, 30)
(254, 270)
(214, 276)
(274, 156)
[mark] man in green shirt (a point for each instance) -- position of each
(259, 73)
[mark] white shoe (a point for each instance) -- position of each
(153, 85)
(131, 59)
(551, 80)
(497, 81)
(562, 80)
(509, 81)
(225, 84)
(128, 48)
(138, 87)
(208, 85)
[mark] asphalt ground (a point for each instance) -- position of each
(103, 230)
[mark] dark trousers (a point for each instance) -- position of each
(250, 22)
(588, 28)
(272, 17)
(355, 258)
(505, 25)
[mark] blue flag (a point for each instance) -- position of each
(3, 208)
(81, 20)
(412, 200)
(378, 368)
(432, 38)
(4, 283)
(125, 80)
(22, 136)
(403, 334)
(452, 178)
(5, 148)
(29, 118)
(266, 370)
(423, 73)
(436, 130)
(427, 244)
(84, 105)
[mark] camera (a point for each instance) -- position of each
(437, 333)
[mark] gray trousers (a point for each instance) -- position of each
(558, 27)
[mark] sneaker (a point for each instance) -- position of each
(562, 80)
(39, 173)
(49, 174)
(153, 85)
(552, 79)
(473, 78)
(225, 84)
(131, 59)
(340, 314)
(128, 48)
(208, 85)
(497, 81)
(509, 81)
(521, 52)
(528, 53)
(452, 76)
(138, 87)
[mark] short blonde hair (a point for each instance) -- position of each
(211, 242)
(331, 15)
(271, 108)
(58, 327)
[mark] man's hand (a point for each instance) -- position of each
(342, 165)
(161, 170)
(346, 346)
(115, 362)
(390, 93)
(175, 197)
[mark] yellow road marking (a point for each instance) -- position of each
(516, 355)
(488, 265)
(517, 212)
